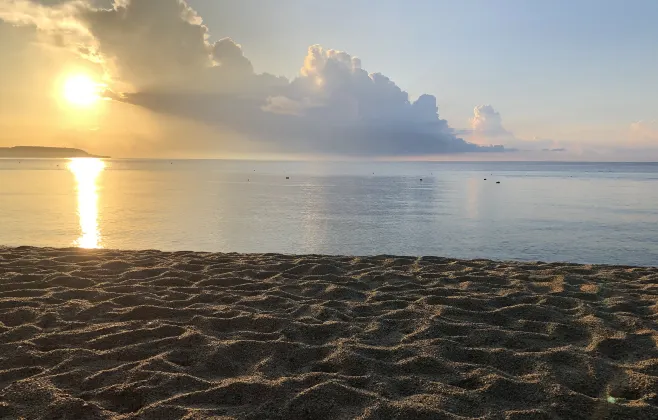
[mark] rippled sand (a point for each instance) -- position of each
(154, 335)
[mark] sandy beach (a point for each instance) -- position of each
(100, 334)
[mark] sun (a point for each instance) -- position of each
(81, 90)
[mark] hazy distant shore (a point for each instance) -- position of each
(154, 335)
(38, 152)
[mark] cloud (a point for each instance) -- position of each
(487, 128)
(58, 22)
(333, 107)
(333, 85)
(488, 123)
(644, 132)
(559, 149)
(157, 54)
(141, 43)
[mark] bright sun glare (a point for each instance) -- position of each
(81, 90)
(86, 172)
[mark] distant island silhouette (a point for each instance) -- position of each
(44, 152)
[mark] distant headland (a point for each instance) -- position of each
(27, 152)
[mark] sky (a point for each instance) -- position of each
(558, 80)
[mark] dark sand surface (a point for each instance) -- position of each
(152, 335)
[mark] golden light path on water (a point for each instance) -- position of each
(86, 172)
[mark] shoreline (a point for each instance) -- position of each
(425, 258)
(151, 334)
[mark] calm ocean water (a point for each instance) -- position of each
(578, 212)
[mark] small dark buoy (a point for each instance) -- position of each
(287, 177)
(497, 182)
(421, 180)
(485, 179)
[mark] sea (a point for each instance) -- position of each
(595, 213)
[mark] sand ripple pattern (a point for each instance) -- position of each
(153, 335)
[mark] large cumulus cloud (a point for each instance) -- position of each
(157, 54)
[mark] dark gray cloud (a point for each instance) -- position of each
(333, 107)
(150, 42)
(306, 134)
(158, 56)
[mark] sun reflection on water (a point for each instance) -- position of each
(86, 172)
